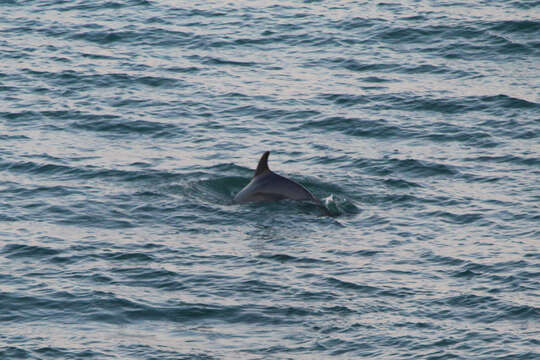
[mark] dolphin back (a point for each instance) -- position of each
(273, 187)
(289, 189)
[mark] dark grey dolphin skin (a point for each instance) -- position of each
(269, 186)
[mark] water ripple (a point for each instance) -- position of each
(128, 126)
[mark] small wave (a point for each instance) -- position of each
(355, 253)
(357, 127)
(71, 77)
(408, 167)
(422, 168)
(401, 183)
(499, 47)
(511, 159)
(186, 312)
(21, 116)
(126, 127)
(181, 69)
(360, 23)
(490, 309)
(455, 218)
(473, 137)
(209, 60)
(506, 101)
(87, 172)
(348, 285)
(285, 258)
(4, 137)
(128, 257)
(107, 37)
(98, 5)
(443, 260)
(220, 190)
(448, 105)
(38, 168)
(391, 67)
(256, 112)
(516, 26)
(62, 353)
(196, 12)
(19, 250)
(461, 41)
(411, 34)
(97, 219)
(14, 352)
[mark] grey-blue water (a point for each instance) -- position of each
(127, 127)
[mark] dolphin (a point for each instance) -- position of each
(266, 185)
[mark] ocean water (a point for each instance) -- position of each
(127, 127)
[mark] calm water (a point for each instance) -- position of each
(127, 127)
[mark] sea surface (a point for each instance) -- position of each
(127, 127)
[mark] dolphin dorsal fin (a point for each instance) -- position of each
(263, 164)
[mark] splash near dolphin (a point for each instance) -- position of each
(266, 185)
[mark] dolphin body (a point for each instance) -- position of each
(266, 185)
